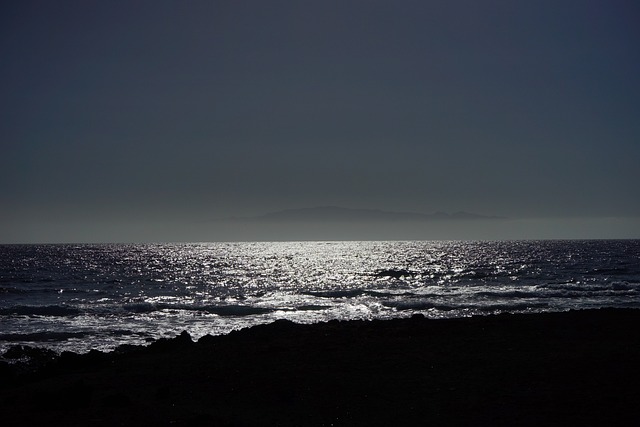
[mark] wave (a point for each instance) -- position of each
(419, 305)
(625, 286)
(340, 293)
(354, 293)
(51, 336)
(233, 310)
(42, 336)
(508, 294)
(430, 305)
(577, 290)
(139, 307)
(220, 310)
(136, 308)
(312, 307)
(12, 290)
(45, 310)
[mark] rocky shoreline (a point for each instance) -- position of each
(570, 368)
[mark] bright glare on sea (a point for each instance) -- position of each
(82, 297)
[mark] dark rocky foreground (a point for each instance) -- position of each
(575, 368)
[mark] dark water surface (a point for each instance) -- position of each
(80, 297)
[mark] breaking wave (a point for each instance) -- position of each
(49, 310)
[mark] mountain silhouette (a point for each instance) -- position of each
(341, 214)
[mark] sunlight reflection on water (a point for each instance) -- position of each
(118, 294)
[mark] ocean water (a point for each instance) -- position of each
(83, 297)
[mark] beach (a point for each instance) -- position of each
(569, 368)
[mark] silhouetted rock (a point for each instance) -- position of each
(117, 400)
(574, 368)
(7, 373)
(184, 338)
(29, 359)
(181, 342)
(69, 358)
(207, 340)
(27, 353)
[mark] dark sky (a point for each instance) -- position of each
(121, 114)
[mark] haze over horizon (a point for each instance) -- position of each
(129, 121)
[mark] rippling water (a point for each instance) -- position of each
(79, 297)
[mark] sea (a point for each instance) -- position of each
(79, 297)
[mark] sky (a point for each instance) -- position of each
(148, 120)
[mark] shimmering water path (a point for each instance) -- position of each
(79, 297)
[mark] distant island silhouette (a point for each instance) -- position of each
(338, 223)
(340, 214)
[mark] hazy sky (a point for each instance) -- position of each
(117, 114)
